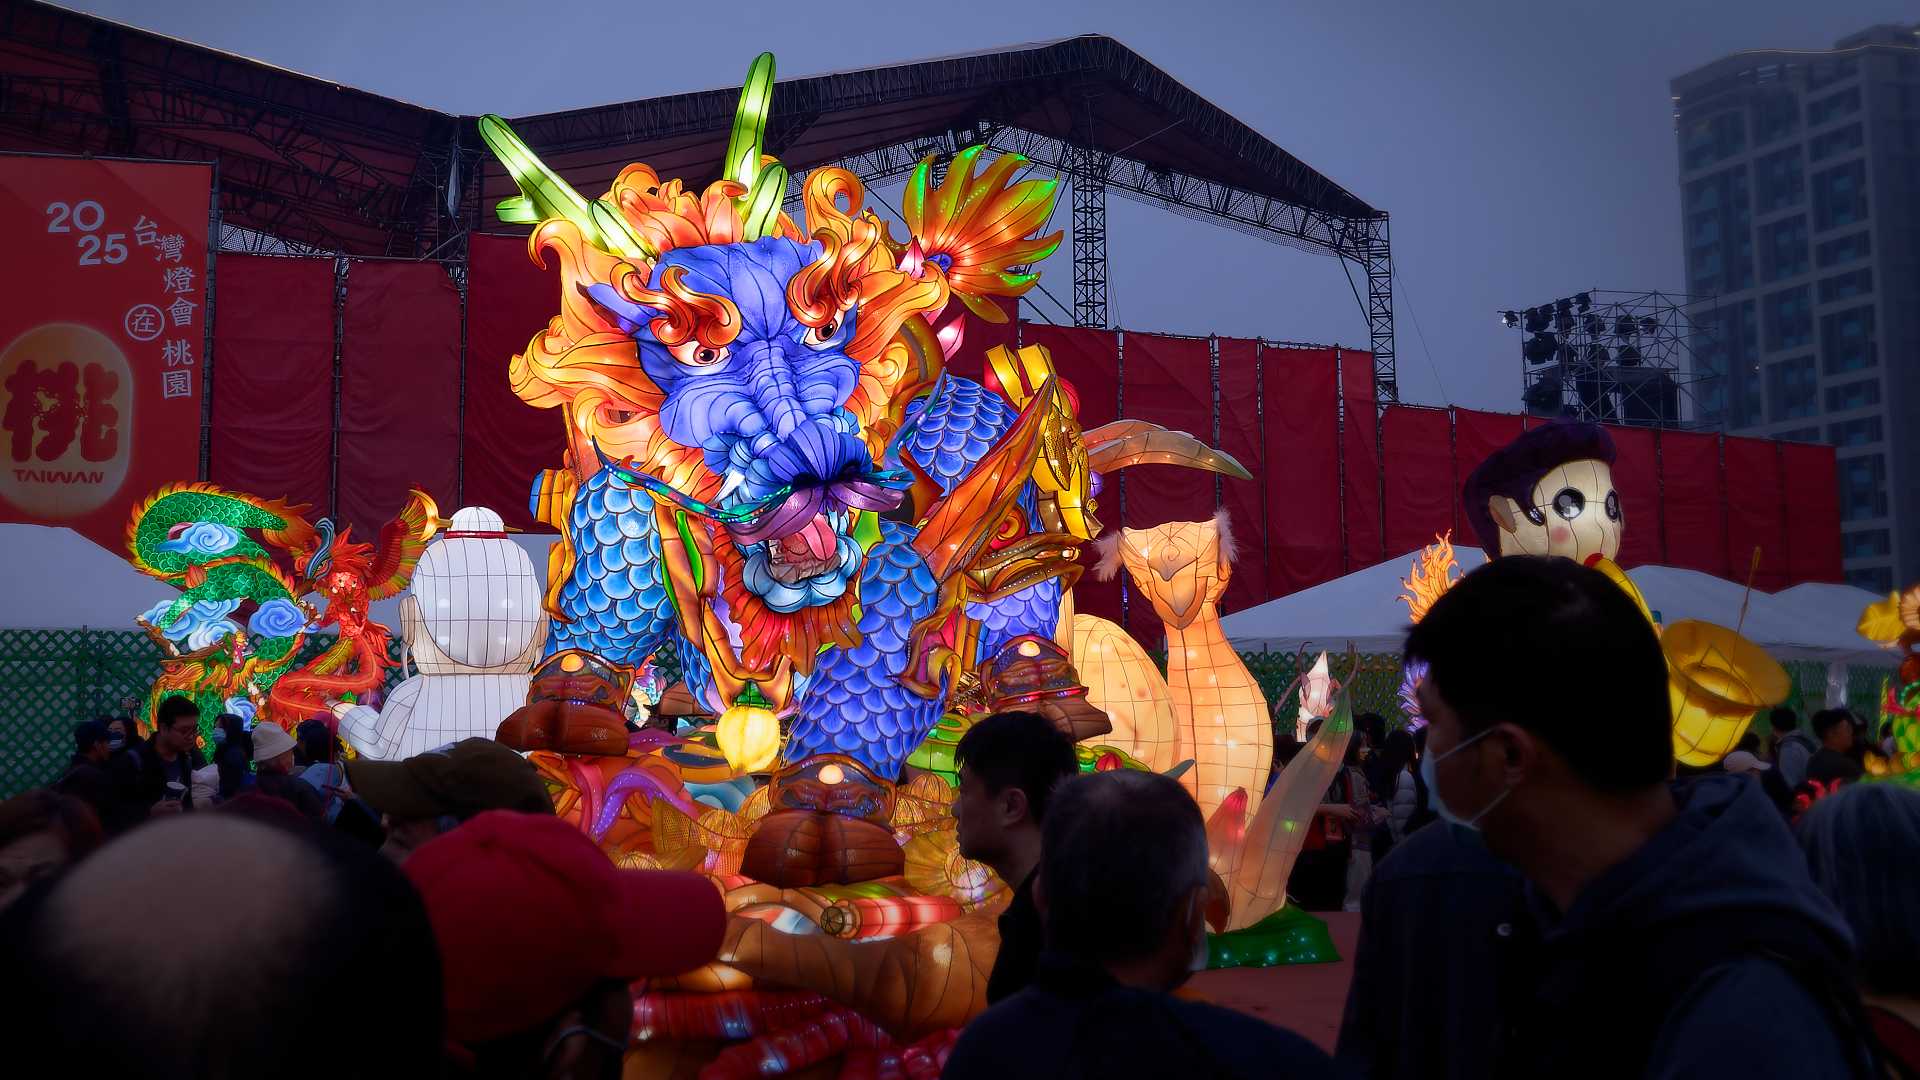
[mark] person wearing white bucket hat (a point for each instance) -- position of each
(273, 771)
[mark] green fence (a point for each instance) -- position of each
(51, 679)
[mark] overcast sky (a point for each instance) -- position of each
(1524, 149)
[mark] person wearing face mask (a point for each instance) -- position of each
(1123, 892)
(1675, 923)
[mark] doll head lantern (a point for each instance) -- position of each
(1548, 492)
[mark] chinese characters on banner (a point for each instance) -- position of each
(101, 337)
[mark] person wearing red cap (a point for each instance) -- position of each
(540, 936)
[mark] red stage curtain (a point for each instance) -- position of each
(1476, 435)
(1418, 476)
(1241, 377)
(1692, 503)
(1360, 456)
(272, 379)
(1636, 477)
(399, 391)
(1302, 467)
(978, 336)
(1090, 361)
(506, 442)
(1168, 381)
(1754, 512)
(1811, 480)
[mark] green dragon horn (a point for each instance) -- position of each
(544, 195)
(766, 185)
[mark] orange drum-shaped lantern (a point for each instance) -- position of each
(1717, 680)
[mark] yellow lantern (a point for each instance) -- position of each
(749, 732)
(1717, 680)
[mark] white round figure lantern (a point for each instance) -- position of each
(473, 626)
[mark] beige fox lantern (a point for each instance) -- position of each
(1182, 568)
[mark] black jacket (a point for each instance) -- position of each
(1708, 952)
(155, 771)
(1074, 1022)
(1021, 937)
(1439, 911)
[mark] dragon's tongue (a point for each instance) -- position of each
(815, 538)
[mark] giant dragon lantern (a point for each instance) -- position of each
(770, 468)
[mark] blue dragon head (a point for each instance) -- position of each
(767, 410)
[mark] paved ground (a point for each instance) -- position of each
(1306, 998)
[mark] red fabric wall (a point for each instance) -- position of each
(1089, 360)
(1636, 477)
(272, 379)
(399, 391)
(506, 441)
(978, 336)
(1811, 480)
(1418, 476)
(1302, 468)
(1755, 517)
(1241, 376)
(1475, 435)
(1365, 543)
(1690, 482)
(1168, 381)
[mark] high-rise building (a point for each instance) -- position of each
(1800, 201)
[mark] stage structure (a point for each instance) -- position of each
(1611, 356)
(309, 167)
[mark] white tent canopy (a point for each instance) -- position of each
(1806, 622)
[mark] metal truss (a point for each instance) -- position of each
(1618, 357)
(1363, 241)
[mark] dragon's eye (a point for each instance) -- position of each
(695, 355)
(822, 335)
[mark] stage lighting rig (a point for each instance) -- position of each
(1609, 356)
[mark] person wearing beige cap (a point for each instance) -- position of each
(273, 771)
(420, 797)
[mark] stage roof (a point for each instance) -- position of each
(339, 169)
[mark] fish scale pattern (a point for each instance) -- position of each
(1033, 610)
(616, 595)
(957, 429)
(854, 703)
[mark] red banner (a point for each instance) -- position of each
(101, 336)
(1636, 478)
(273, 380)
(506, 442)
(399, 391)
(1418, 478)
(1241, 434)
(1476, 435)
(1693, 501)
(1302, 467)
(1809, 478)
(1755, 512)
(1360, 462)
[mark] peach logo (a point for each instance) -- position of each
(66, 420)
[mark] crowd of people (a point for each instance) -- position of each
(1539, 895)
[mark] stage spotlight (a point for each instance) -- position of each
(1539, 348)
(1597, 356)
(1583, 301)
(1563, 322)
(1537, 319)
(1649, 324)
(1623, 326)
(1628, 356)
(1543, 397)
(1509, 319)
(1593, 324)
(1562, 306)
